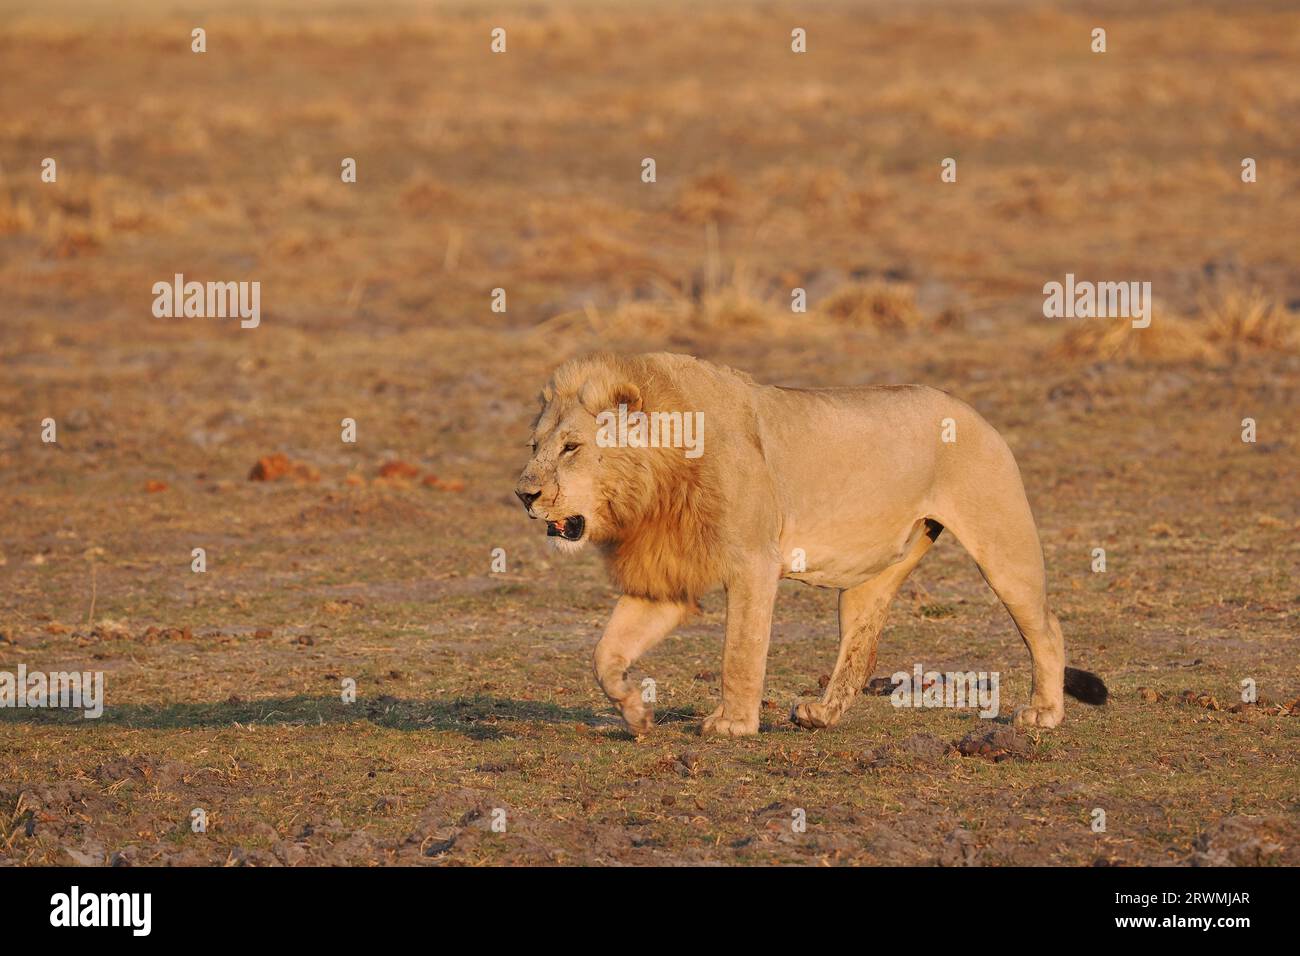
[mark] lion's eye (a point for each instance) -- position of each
(571, 447)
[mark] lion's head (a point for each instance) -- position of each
(651, 510)
(564, 482)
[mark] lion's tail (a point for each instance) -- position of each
(1085, 686)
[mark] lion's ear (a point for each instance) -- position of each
(547, 393)
(598, 396)
(627, 394)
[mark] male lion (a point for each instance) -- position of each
(856, 482)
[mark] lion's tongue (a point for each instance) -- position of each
(555, 529)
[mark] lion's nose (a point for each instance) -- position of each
(528, 497)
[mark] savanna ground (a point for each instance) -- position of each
(522, 171)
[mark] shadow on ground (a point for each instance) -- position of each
(475, 717)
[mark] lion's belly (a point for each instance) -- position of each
(856, 473)
(844, 554)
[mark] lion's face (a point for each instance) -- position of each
(561, 483)
(652, 509)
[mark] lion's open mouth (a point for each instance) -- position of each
(570, 529)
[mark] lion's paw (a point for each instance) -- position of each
(715, 723)
(1045, 717)
(639, 716)
(810, 715)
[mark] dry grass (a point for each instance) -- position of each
(1233, 322)
(877, 305)
(1239, 319)
(1168, 340)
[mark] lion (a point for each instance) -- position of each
(843, 488)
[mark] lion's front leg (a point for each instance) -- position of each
(636, 626)
(744, 654)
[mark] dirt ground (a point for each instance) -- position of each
(522, 171)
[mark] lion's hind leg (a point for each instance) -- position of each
(863, 609)
(1003, 540)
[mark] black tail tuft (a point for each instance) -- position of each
(1085, 686)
